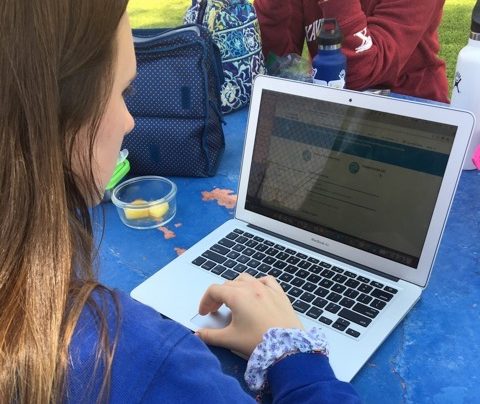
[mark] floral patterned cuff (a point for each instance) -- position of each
(276, 344)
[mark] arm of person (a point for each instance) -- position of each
(308, 378)
(378, 46)
(281, 26)
(192, 374)
(258, 306)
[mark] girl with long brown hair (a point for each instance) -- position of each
(65, 66)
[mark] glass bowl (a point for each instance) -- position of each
(145, 202)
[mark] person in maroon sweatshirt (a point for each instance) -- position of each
(388, 43)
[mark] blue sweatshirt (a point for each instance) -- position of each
(160, 361)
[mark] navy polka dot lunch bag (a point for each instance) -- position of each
(176, 103)
(235, 29)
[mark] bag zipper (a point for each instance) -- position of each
(174, 31)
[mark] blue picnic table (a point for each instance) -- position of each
(433, 356)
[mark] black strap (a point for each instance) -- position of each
(202, 6)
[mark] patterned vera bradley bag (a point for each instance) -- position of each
(234, 28)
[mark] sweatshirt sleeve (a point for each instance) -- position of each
(308, 378)
(158, 360)
(378, 46)
(281, 26)
(192, 374)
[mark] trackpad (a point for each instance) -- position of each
(219, 319)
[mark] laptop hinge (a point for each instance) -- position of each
(327, 254)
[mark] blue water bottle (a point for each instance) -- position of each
(329, 66)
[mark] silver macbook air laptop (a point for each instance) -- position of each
(343, 198)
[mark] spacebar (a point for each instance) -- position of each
(355, 317)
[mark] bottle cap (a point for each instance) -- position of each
(475, 27)
(330, 34)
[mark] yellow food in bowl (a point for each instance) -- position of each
(155, 212)
(158, 211)
(135, 214)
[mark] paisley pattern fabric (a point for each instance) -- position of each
(234, 28)
(276, 344)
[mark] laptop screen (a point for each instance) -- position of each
(365, 178)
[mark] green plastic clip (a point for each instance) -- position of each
(121, 170)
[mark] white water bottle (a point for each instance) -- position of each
(466, 87)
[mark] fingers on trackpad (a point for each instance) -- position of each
(219, 319)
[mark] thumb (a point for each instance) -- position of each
(215, 336)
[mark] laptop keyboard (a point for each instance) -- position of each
(335, 297)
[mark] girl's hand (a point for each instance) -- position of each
(256, 305)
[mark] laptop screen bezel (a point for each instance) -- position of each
(438, 113)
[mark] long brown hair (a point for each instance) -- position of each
(57, 60)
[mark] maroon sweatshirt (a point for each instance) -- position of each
(388, 43)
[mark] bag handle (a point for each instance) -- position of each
(202, 7)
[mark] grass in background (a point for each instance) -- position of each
(454, 32)
(454, 29)
(157, 13)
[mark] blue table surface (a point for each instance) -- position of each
(433, 356)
